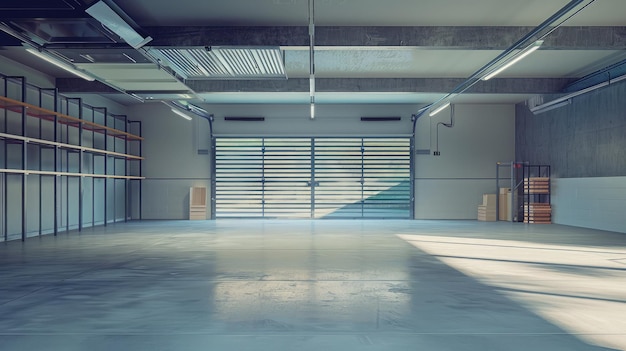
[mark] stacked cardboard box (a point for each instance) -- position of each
(537, 212)
(197, 203)
(537, 185)
(504, 206)
(487, 210)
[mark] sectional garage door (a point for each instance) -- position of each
(313, 177)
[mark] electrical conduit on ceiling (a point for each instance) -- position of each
(539, 33)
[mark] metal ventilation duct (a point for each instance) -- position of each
(224, 62)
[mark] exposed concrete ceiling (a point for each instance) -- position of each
(367, 51)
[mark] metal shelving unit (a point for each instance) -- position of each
(58, 147)
(520, 178)
(537, 202)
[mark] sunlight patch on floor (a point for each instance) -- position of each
(580, 289)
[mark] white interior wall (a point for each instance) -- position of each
(172, 164)
(12, 68)
(595, 202)
(449, 186)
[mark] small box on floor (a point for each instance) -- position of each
(487, 210)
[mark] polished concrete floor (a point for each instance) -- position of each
(315, 285)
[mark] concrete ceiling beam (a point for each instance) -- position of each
(465, 38)
(401, 85)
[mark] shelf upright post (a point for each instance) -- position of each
(114, 181)
(126, 181)
(24, 162)
(140, 133)
(139, 151)
(5, 183)
(67, 169)
(56, 163)
(106, 168)
(80, 165)
(512, 200)
(93, 170)
(40, 148)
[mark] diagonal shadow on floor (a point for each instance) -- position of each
(293, 285)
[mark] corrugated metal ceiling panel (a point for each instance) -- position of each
(224, 63)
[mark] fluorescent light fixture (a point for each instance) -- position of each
(439, 109)
(136, 97)
(60, 64)
(116, 24)
(527, 51)
(312, 110)
(182, 114)
(549, 106)
(567, 99)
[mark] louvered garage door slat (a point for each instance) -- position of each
(287, 176)
(239, 177)
(313, 177)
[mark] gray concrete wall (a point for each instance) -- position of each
(583, 139)
(585, 144)
(448, 186)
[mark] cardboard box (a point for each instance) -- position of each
(504, 206)
(489, 200)
(486, 214)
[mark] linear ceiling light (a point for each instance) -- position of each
(439, 109)
(547, 107)
(182, 114)
(525, 52)
(174, 107)
(60, 64)
(567, 99)
(116, 24)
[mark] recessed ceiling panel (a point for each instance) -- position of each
(387, 63)
(419, 63)
(103, 55)
(135, 77)
(8, 5)
(65, 31)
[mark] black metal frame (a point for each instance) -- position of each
(63, 163)
(529, 171)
